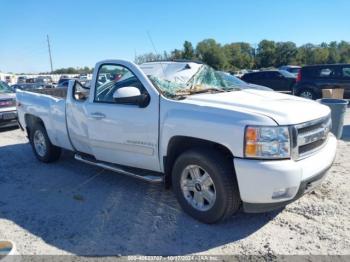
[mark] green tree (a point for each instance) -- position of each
(188, 52)
(86, 70)
(211, 53)
(320, 55)
(305, 54)
(239, 55)
(148, 57)
(166, 55)
(266, 54)
(333, 53)
(285, 53)
(176, 54)
(344, 52)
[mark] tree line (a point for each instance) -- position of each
(266, 54)
(72, 70)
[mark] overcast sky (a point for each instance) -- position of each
(84, 32)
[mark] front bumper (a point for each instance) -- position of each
(258, 180)
(8, 118)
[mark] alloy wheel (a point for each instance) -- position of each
(39, 143)
(306, 94)
(198, 188)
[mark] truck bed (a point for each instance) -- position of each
(49, 105)
(55, 92)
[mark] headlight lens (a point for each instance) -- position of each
(267, 142)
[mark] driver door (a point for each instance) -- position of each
(119, 132)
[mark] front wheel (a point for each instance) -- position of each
(205, 185)
(43, 149)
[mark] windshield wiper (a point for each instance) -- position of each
(206, 90)
(214, 90)
(186, 92)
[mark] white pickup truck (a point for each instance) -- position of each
(219, 146)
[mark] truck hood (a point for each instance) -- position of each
(283, 109)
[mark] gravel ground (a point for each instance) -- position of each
(72, 208)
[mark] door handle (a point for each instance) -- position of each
(97, 115)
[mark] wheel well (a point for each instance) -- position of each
(317, 92)
(179, 144)
(30, 121)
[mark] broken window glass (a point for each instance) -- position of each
(206, 79)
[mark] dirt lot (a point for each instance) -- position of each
(72, 208)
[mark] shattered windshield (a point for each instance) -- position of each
(205, 80)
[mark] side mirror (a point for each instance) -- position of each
(131, 96)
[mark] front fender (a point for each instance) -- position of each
(221, 126)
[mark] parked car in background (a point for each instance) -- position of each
(240, 83)
(219, 147)
(278, 80)
(44, 79)
(83, 77)
(9, 79)
(64, 77)
(291, 69)
(30, 80)
(21, 86)
(27, 86)
(312, 79)
(21, 79)
(46, 82)
(8, 112)
(63, 82)
(240, 73)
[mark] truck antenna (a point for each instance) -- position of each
(155, 50)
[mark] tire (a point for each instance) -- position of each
(224, 185)
(43, 149)
(307, 93)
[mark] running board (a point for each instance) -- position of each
(119, 169)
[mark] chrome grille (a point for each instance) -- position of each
(309, 137)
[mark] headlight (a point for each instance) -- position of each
(271, 142)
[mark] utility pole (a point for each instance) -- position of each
(49, 46)
(255, 48)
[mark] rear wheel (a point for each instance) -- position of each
(205, 185)
(43, 149)
(307, 93)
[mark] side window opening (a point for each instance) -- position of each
(80, 92)
(112, 77)
(328, 72)
(346, 72)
